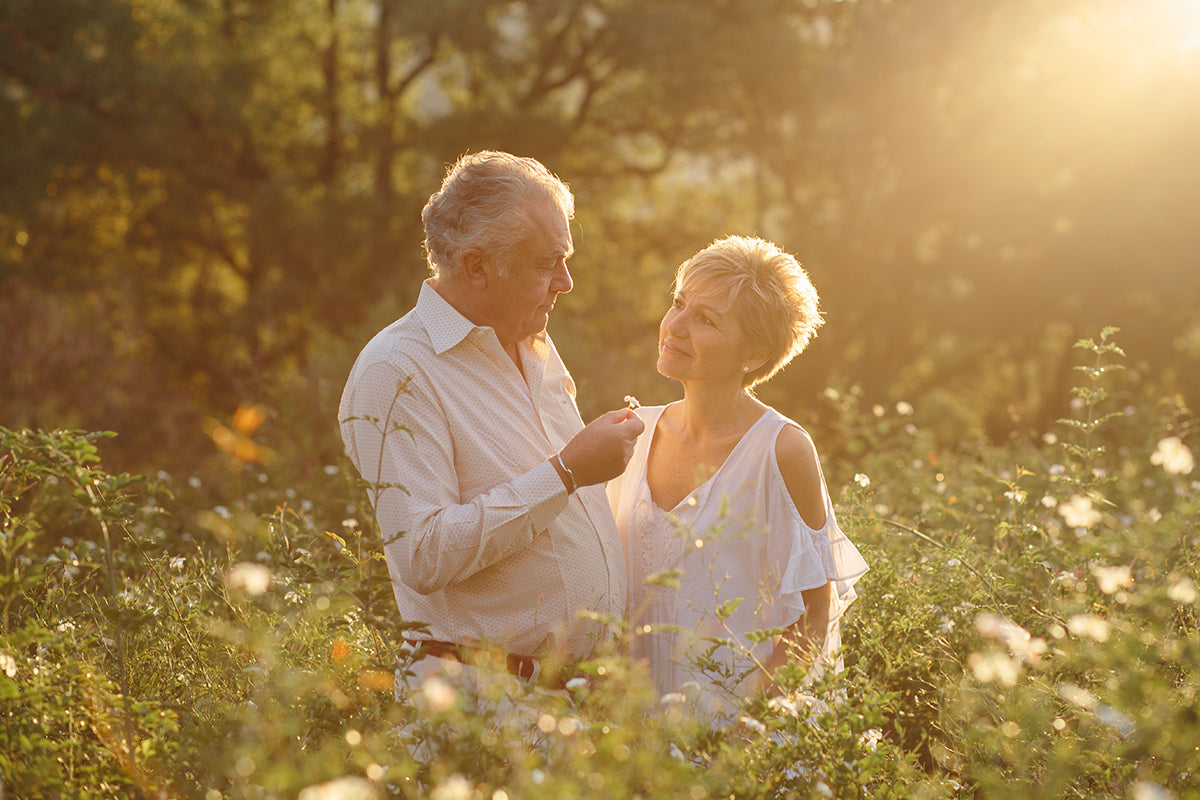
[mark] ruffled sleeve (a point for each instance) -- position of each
(807, 558)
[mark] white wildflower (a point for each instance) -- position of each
(862, 480)
(994, 668)
(576, 683)
(1078, 696)
(177, 563)
(904, 409)
(8, 665)
(1173, 456)
(1148, 790)
(784, 705)
(1089, 625)
(439, 694)
(1078, 512)
(1182, 591)
(871, 739)
(456, 787)
(1110, 579)
(253, 578)
(1049, 501)
(753, 724)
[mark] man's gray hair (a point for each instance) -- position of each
(484, 203)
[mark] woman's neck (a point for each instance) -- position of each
(710, 412)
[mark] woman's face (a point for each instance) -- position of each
(700, 338)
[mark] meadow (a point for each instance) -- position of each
(1028, 629)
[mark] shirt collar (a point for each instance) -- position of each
(444, 324)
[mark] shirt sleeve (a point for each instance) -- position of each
(399, 438)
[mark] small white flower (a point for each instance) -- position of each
(178, 562)
(253, 578)
(1182, 591)
(576, 683)
(1173, 456)
(1078, 696)
(8, 665)
(753, 724)
(784, 705)
(1078, 512)
(350, 523)
(1049, 438)
(994, 668)
(862, 480)
(456, 787)
(222, 512)
(904, 409)
(1089, 625)
(1049, 501)
(439, 694)
(1110, 579)
(65, 627)
(1148, 790)
(1015, 495)
(871, 739)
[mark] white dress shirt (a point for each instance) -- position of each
(482, 541)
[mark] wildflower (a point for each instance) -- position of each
(65, 627)
(1111, 579)
(831, 393)
(350, 523)
(223, 512)
(994, 667)
(1012, 636)
(1148, 790)
(1015, 495)
(8, 664)
(752, 724)
(785, 705)
(1049, 501)
(904, 409)
(1089, 625)
(1182, 591)
(1077, 696)
(439, 694)
(1173, 456)
(177, 563)
(576, 683)
(1078, 512)
(456, 787)
(253, 578)
(871, 739)
(862, 480)
(1049, 438)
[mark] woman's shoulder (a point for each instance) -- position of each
(800, 467)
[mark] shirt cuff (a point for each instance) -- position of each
(544, 494)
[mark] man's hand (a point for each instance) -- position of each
(600, 451)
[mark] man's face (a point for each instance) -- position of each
(534, 274)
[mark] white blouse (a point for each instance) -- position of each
(738, 535)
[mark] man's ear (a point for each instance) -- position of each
(476, 266)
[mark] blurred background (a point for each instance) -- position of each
(213, 204)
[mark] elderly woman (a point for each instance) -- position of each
(726, 521)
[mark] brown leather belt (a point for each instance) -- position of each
(523, 667)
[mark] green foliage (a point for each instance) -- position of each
(1005, 643)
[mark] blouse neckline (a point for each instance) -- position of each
(699, 491)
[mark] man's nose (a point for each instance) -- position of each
(562, 280)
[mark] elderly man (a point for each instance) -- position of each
(487, 487)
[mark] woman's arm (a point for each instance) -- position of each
(798, 463)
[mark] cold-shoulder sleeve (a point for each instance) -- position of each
(806, 558)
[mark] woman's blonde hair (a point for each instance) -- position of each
(770, 294)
